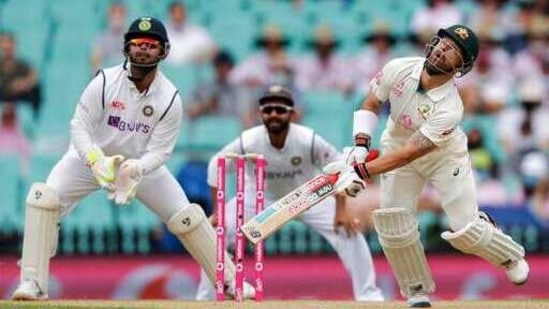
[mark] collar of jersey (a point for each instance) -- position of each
(435, 94)
(152, 88)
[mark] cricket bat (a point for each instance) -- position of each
(290, 206)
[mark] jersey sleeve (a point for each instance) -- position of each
(380, 84)
(88, 114)
(164, 136)
(441, 127)
(324, 152)
(234, 146)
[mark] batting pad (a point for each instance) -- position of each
(398, 234)
(485, 240)
(192, 228)
(41, 234)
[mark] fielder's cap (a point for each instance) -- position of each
(277, 93)
(465, 38)
(147, 26)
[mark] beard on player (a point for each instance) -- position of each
(276, 125)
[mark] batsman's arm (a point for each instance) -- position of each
(365, 119)
(415, 147)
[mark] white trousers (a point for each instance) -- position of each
(72, 180)
(448, 171)
(353, 251)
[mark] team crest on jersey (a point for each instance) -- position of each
(296, 161)
(148, 110)
(117, 105)
(424, 110)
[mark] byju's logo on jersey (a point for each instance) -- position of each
(121, 125)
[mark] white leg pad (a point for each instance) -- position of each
(195, 232)
(398, 234)
(41, 234)
(483, 239)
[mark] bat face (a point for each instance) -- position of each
(290, 206)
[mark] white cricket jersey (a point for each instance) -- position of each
(301, 158)
(114, 116)
(436, 113)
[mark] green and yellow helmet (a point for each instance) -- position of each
(467, 41)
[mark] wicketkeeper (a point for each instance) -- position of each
(123, 131)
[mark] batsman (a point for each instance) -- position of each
(422, 142)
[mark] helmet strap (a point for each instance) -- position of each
(137, 73)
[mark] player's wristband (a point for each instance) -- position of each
(364, 122)
(362, 171)
(363, 141)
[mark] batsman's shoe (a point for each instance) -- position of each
(28, 290)
(419, 301)
(517, 271)
(249, 291)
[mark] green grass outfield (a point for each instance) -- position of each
(297, 304)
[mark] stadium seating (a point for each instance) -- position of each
(208, 133)
(330, 114)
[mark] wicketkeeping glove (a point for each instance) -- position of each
(103, 167)
(128, 178)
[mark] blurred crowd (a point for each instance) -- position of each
(506, 97)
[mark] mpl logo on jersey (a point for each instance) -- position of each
(121, 125)
(117, 105)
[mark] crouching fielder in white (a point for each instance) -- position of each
(422, 142)
(131, 112)
(295, 154)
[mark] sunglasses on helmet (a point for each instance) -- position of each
(149, 43)
(277, 108)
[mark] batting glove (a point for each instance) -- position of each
(347, 181)
(128, 178)
(104, 167)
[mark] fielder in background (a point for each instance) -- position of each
(123, 131)
(295, 154)
(421, 143)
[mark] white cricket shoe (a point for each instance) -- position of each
(517, 271)
(28, 290)
(419, 301)
(249, 291)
